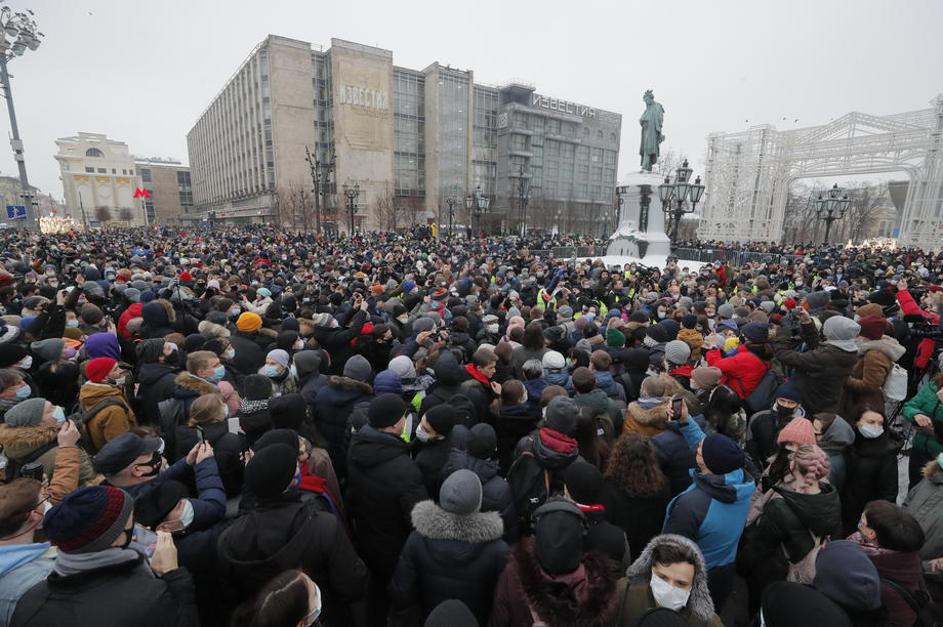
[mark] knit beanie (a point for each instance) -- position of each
(706, 377)
(48, 350)
(386, 410)
(358, 368)
(451, 613)
(103, 345)
(658, 334)
(271, 470)
(789, 391)
(88, 519)
(756, 332)
(153, 506)
(662, 617)
(256, 387)
(873, 327)
(786, 604)
(615, 338)
(818, 300)
(288, 410)
(677, 352)
(11, 354)
(97, 369)
(461, 493)
(562, 414)
(91, 314)
(387, 382)
(689, 321)
(584, 482)
(441, 418)
(403, 366)
(26, 413)
(721, 454)
(279, 356)
(249, 322)
(847, 576)
(482, 441)
(552, 360)
(725, 311)
(558, 536)
(797, 431)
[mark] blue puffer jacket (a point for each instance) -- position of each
(713, 510)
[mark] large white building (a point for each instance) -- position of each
(98, 177)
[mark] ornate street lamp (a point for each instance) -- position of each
(831, 206)
(351, 193)
(476, 203)
(679, 197)
(450, 201)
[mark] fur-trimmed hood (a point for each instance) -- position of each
(640, 572)
(890, 347)
(346, 383)
(655, 417)
(433, 522)
(589, 600)
(210, 329)
(20, 442)
(933, 472)
(196, 385)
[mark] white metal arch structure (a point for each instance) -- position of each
(748, 173)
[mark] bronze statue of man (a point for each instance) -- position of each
(651, 123)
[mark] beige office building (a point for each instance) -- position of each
(410, 140)
(168, 182)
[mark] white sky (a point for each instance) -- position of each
(142, 72)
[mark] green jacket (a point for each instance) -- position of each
(926, 402)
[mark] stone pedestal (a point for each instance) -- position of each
(641, 230)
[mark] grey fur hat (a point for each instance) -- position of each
(699, 602)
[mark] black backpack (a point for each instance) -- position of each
(928, 612)
(14, 466)
(530, 487)
(81, 419)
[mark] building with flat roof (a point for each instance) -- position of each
(168, 182)
(410, 140)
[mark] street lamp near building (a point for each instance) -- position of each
(351, 194)
(18, 32)
(620, 202)
(477, 203)
(679, 197)
(831, 206)
(522, 198)
(450, 201)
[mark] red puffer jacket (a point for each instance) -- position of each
(908, 306)
(742, 372)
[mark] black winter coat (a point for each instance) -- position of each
(433, 456)
(496, 495)
(450, 557)
(449, 376)
(156, 384)
(175, 411)
(820, 372)
(674, 457)
(118, 595)
(287, 533)
(250, 355)
(641, 518)
(336, 341)
(227, 449)
(872, 475)
(383, 486)
(335, 404)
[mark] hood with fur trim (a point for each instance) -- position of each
(190, 385)
(346, 383)
(209, 330)
(887, 345)
(655, 417)
(433, 522)
(19, 442)
(640, 572)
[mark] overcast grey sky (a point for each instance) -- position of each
(142, 72)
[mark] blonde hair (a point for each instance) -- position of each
(207, 408)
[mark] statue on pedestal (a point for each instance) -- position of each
(651, 123)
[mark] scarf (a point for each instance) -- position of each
(249, 407)
(68, 564)
(556, 441)
(475, 374)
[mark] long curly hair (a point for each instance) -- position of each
(634, 467)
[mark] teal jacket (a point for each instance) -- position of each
(926, 402)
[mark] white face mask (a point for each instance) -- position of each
(298, 345)
(870, 432)
(423, 435)
(229, 353)
(666, 595)
(26, 363)
(491, 328)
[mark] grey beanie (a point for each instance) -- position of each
(423, 324)
(725, 311)
(132, 294)
(768, 306)
(677, 352)
(461, 493)
(48, 350)
(686, 302)
(358, 368)
(818, 300)
(403, 366)
(27, 413)
(565, 312)
(840, 328)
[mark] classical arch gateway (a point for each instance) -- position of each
(748, 173)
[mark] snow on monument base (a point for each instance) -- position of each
(639, 193)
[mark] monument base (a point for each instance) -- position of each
(641, 229)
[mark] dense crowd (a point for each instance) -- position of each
(258, 428)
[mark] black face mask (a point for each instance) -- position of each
(154, 466)
(783, 412)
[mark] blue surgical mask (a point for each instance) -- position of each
(59, 414)
(218, 373)
(939, 460)
(870, 432)
(23, 392)
(269, 371)
(72, 324)
(186, 518)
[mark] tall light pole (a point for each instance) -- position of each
(18, 31)
(450, 201)
(679, 197)
(522, 197)
(831, 206)
(351, 193)
(317, 168)
(477, 202)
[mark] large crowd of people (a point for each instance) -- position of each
(253, 427)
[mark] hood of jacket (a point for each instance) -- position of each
(595, 399)
(91, 393)
(447, 370)
(434, 523)
(604, 380)
(554, 459)
(655, 417)
(19, 442)
(287, 526)
(369, 447)
(727, 488)
(342, 390)
(12, 556)
(586, 597)
(838, 435)
(188, 386)
(933, 473)
(699, 601)
(820, 513)
(149, 374)
(887, 345)
(155, 315)
(557, 377)
(306, 362)
(486, 469)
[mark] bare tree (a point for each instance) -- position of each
(868, 202)
(668, 161)
(386, 210)
(125, 215)
(103, 214)
(408, 208)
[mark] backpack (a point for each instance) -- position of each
(928, 612)
(530, 486)
(895, 386)
(81, 419)
(764, 393)
(13, 466)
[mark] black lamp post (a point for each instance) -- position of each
(351, 193)
(679, 197)
(477, 203)
(831, 206)
(620, 201)
(522, 197)
(318, 169)
(450, 201)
